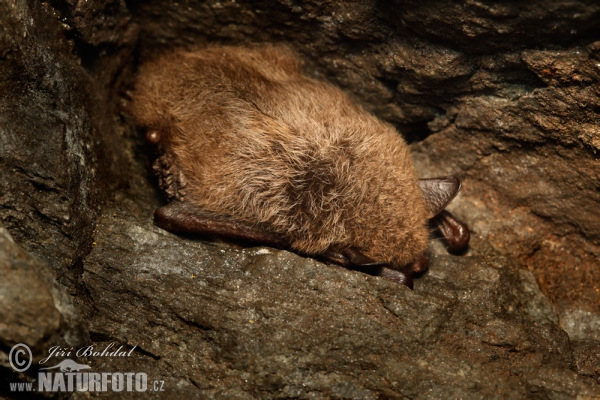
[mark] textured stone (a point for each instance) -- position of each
(502, 94)
(57, 126)
(270, 323)
(587, 358)
(34, 309)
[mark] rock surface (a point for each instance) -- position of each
(220, 321)
(34, 309)
(60, 148)
(505, 95)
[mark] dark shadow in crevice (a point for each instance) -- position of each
(414, 133)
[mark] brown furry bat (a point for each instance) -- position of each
(252, 149)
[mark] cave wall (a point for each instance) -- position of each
(60, 155)
(504, 95)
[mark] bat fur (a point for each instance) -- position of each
(245, 135)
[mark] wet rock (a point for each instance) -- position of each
(503, 95)
(491, 27)
(34, 309)
(209, 316)
(531, 161)
(587, 358)
(59, 157)
(580, 324)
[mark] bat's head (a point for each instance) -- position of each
(437, 193)
(408, 243)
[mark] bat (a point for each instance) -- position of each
(253, 150)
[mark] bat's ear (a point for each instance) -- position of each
(438, 192)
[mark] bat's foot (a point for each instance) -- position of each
(400, 277)
(405, 276)
(354, 259)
